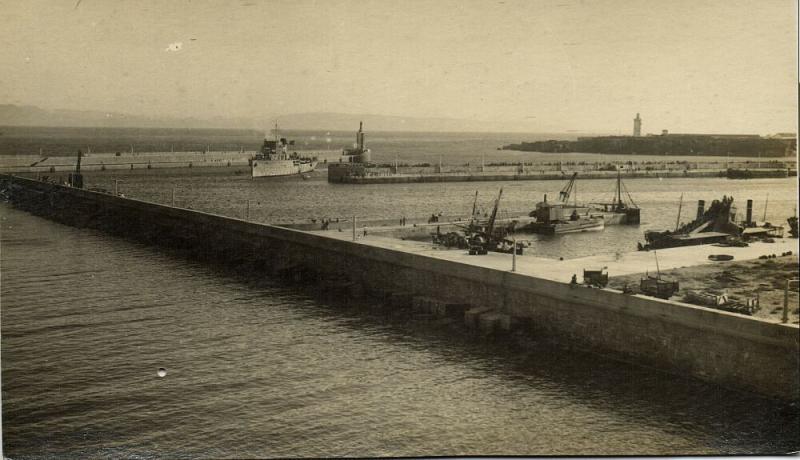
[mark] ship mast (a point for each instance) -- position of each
(678, 221)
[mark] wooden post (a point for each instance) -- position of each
(354, 228)
(116, 187)
(247, 214)
(173, 196)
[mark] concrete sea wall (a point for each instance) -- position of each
(143, 160)
(339, 175)
(723, 348)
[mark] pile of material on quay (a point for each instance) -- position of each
(764, 278)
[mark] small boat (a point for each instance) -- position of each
(720, 257)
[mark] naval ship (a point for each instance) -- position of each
(274, 159)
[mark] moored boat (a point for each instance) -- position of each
(560, 217)
(621, 210)
(274, 159)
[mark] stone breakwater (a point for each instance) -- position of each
(383, 174)
(724, 348)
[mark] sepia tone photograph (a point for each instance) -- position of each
(388, 229)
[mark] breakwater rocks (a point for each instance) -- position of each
(732, 350)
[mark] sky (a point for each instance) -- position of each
(721, 66)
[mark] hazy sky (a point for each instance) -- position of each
(687, 66)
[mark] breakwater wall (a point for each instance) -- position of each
(724, 348)
(143, 160)
(341, 174)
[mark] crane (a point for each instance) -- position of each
(564, 194)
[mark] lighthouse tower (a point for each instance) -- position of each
(637, 126)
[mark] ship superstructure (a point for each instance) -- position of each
(274, 159)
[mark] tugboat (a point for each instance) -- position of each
(561, 217)
(274, 159)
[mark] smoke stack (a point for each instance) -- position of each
(749, 218)
(701, 208)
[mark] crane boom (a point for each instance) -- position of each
(563, 195)
(490, 226)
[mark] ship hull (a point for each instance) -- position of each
(558, 228)
(274, 168)
(627, 217)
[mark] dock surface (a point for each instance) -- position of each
(562, 270)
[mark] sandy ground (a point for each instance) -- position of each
(765, 279)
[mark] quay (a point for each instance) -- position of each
(727, 349)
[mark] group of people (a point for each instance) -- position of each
(434, 218)
(326, 222)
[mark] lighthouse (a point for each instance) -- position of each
(637, 126)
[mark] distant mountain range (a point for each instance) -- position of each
(23, 115)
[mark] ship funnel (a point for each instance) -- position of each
(701, 208)
(749, 216)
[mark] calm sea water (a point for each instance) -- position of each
(295, 200)
(256, 368)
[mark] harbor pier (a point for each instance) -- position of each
(728, 349)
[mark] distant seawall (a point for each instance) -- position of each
(144, 160)
(351, 174)
(724, 348)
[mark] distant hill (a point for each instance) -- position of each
(349, 122)
(24, 115)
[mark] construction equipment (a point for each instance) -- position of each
(565, 192)
(597, 278)
(734, 304)
(656, 286)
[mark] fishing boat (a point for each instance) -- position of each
(274, 159)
